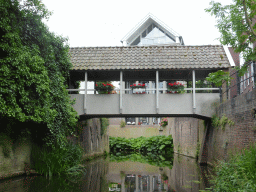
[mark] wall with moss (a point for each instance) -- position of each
(236, 127)
(93, 139)
(14, 157)
(187, 135)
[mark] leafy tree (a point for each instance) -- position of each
(236, 23)
(34, 67)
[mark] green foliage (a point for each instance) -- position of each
(146, 145)
(122, 124)
(231, 123)
(219, 77)
(34, 70)
(235, 26)
(201, 84)
(104, 125)
(216, 121)
(80, 126)
(198, 147)
(238, 174)
(152, 159)
(223, 122)
(56, 161)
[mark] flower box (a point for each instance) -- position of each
(175, 87)
(104, 88)
(164, 122)
(138, 88)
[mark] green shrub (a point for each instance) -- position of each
(155, 144)
(56, 161)
(238, 174)
(122, 124)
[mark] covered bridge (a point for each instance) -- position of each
(161, 63)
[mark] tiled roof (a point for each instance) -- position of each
(149, 57)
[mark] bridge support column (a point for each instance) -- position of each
(121, 92)
(157, 92)
(164, 87)
(194, 91)
(85, 90)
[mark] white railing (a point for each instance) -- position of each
(153, 89)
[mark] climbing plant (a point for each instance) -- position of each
(221, 122)
(34, 67)
(104, 125)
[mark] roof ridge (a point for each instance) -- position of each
(135, 46)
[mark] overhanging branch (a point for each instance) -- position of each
(247, 19)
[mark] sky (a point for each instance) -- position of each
(96, 23)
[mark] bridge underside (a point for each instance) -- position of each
(85, 116)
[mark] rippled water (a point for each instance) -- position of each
(181, 174)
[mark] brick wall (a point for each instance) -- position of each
(240, 110)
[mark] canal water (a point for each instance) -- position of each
(132, 173)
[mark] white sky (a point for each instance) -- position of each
(105, 22)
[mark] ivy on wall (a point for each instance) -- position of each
(221, 122)
(104, 125)
(34, 68)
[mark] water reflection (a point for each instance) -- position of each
(181, 174)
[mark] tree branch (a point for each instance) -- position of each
(247, 19)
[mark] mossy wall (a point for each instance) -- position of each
(91, 138)
(14, 157)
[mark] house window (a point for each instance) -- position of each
(130, 121)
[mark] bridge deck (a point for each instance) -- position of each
(145, 104)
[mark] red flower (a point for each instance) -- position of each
(143, 85)
(96, 85)
(104, 85)
(134, 84)
(130, 85)
(139, 84)
(171, 84)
